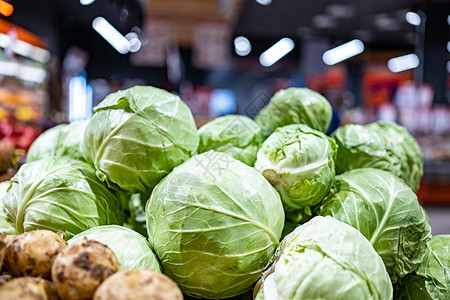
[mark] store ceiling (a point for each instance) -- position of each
(380, 23)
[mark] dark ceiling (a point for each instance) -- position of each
(380, 23)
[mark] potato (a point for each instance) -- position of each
(143, 284)
(80, 268)
(28, 288)
(2, 249)
(31, 253)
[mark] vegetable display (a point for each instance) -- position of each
(238, 136)
(386, 211)
(299, 162)
(118, 239)
(325, 259)
(214, 222)
(137, 136)
(296, 106)
(61, 140)
(380, 145)
(136, 203)
(431, 280)
(59, 193)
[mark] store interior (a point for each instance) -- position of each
(391, 61)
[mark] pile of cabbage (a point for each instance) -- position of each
(270, 208)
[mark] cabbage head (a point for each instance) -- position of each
(299, 162)
(61, 140)
(131, 248)
(386, 211)
(238, 136)
(431, 280)
(381, 145)
(5, 226)
(60, 193)
(325, 259)
(137, 136)
(296, 106)
(214, 223)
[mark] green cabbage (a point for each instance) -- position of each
(61, 140)
(215, 223)
(380, 145)
(431, 280)
(60, 193)
(299, 162)
(5, 226)
(131, 248)
(325, 259)
(296, 106)
(238, 136)
(386, 211)
(137, 136)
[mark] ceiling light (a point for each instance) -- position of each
(403, 63)
(413, 18)
(86, 2)
(343, 52)
(264, 2)
(111, 35)
(242, 46)
(276, 52)
(134, 43)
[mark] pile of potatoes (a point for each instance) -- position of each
(40, 265)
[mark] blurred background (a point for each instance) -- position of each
(377, 59)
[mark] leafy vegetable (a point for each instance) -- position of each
(214, 223)
(386, 211)
(296, 106)
(131, 248)
(61, 140)
(137, 218)
(59, 193)
(381, 145)
(299, 162)
(137, 136)
(5, 226)
(431, 280)
(238, 136)
(325, 259)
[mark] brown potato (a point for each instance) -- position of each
(28, 288)
(144, 284)
(31, 253)
(80, 268)
(2, 249)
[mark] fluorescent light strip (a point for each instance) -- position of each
(80, 99)
(276, 52)
(27, 73)
(111, 35)
(86, 2)
(343, 52)
(403, 63)
(25, 49)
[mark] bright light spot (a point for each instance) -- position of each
(134, 43)
(80, 99)
(448, 47)
(111, 35)
(413, 18)
(402, 63)
(6, 9)
(242, 46)
(343, 52)
(448, 20)
(448, 66)
(27, 73)
(276, 52)
(86, 2)
(264, 2)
